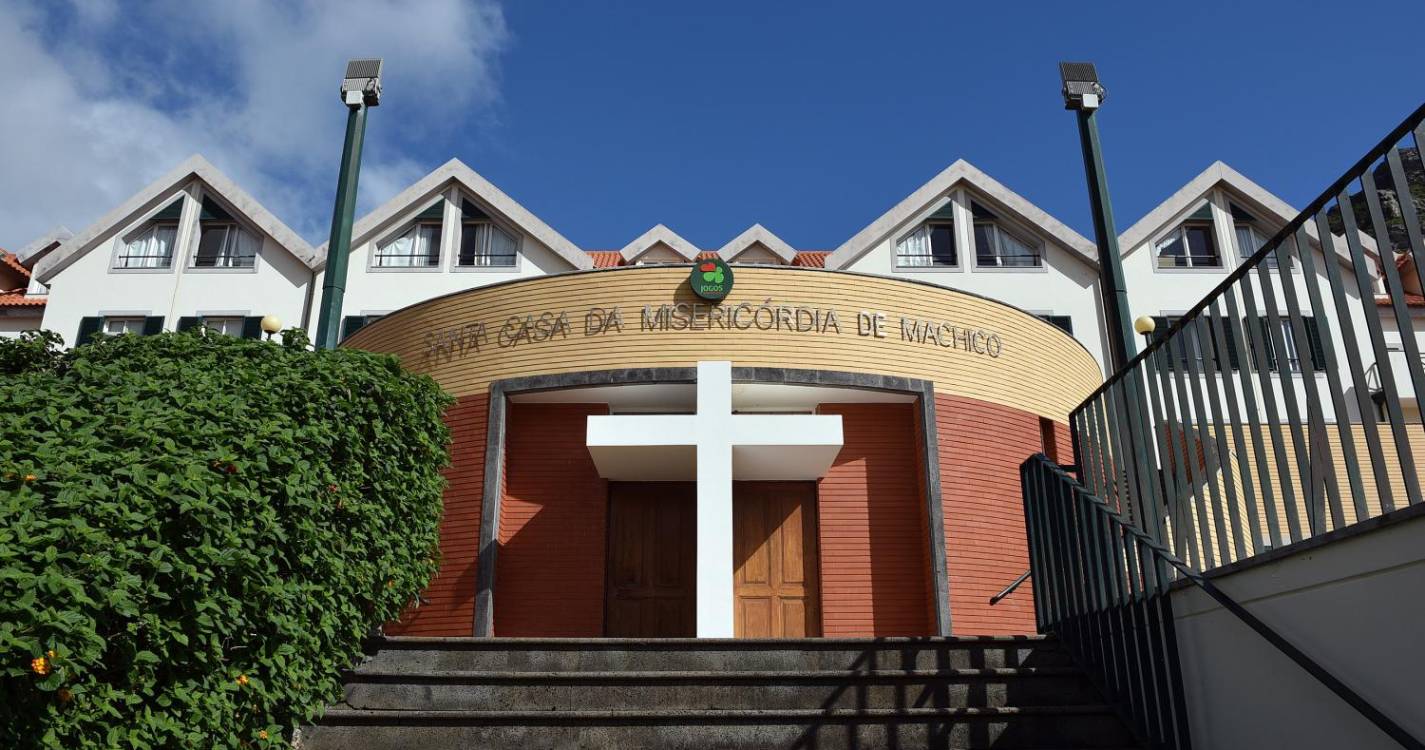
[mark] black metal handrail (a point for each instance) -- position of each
(1010, 589)
(1102, 585)
(1249, 423)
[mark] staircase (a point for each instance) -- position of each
(438, 693)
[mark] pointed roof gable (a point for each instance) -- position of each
(938, 188)
(1254, 198)
(455, 172)
(214, 183)
(757, 235)
(655, 236)
(31, 254)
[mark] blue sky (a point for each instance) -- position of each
(607, 118)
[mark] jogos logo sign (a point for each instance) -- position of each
(711, 279)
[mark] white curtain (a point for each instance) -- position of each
(1247, 244)
(1013, 252)
(151, 249)
(914, 248)
(419, 247)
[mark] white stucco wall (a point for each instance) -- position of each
(1352, 604)
(13, 323)
(90, 285)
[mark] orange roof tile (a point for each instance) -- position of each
(22, 300)
(811, 258)
(1411, 300)
(13, 261)
(605, 258)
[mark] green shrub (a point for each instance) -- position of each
(197, 532)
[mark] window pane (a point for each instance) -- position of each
(985, 254)
(152, 248)
(914, 249)
(503, 247)
(1015, 253)
(1202, 251)
(1171, 251)
(227, 326)
(483, 244)
(418, 247)
(942, 244)
(116, 326)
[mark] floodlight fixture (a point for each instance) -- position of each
(362, 82)
(1081, 87)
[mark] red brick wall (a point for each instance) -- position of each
(549, 575)
(874, 578)
(981, 448)
(450, 610)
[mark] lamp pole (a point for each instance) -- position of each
(360, 90)
(1084, 94)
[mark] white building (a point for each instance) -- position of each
(193, 247)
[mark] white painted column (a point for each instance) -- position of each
(714, 513)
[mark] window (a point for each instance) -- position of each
(1062, 322)
(1192, 244)
(1288, 339)
(418, 246)
(353, 323)
(1185, 350)
(116, 326)
(227, 326)
(152, 246)
(222, 242)
(482, 244)
(996, 247)
(931, 245)
(1248, 238)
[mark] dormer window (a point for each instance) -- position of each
(482, 244)
(152, 245)
(1249, 238)
(418, 246)
(1192, 244)
(931, 245)
(997, 247)
(222, 242)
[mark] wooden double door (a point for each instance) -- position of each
(651, 589)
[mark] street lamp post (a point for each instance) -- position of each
(1084, 94)
(360, 90)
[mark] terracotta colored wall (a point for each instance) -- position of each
(981, 448)
(450, 610)
(549, 576)
(874, 578)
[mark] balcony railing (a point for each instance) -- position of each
(1252, 421)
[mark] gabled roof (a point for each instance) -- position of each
(214, 183)
(17, 297)
(33, 252)
(605, 258)
(658, 234)
(937, 189)
(757, 235)
(1257, 199)
(457, 173)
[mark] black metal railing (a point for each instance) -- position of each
(1103, 586)
(1249, 422)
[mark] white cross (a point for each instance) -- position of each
(725, 445)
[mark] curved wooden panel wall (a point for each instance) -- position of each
(469, 339)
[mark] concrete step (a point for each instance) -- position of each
(426, 655)
(1087, 726)
(722, 690)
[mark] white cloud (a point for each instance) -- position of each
(92, 116)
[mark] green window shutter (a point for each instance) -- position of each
(351, 324)
(188, 322)
(152, 324)
(252, 327)
(1318, 351)
(1229, 339)
(87, 328)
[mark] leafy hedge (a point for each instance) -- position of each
(196, 533)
